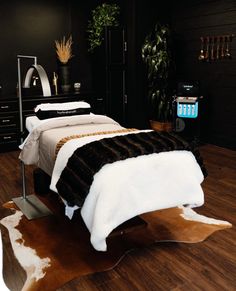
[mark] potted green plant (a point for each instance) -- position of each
(102, 16)
(156, 54)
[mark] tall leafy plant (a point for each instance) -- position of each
(102, 16)
(156, 54)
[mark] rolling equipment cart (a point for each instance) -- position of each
(187, 109)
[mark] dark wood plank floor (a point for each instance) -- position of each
(210, 265)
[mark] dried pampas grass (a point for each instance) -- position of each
(64, 50)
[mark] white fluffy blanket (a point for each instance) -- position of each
(127, 188)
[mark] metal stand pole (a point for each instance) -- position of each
(22, 165)
(30, 205)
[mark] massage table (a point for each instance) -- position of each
(122, 189)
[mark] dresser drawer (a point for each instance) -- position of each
(8, 120)
(8, 106)
(9, 124)
(8, 137)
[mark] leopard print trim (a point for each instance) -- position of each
(65, 139)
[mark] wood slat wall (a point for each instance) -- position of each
(190, 21)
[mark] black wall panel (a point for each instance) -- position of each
(30, 28)
(190, 21)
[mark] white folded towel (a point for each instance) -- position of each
(62, 106)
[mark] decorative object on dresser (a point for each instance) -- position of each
(42, 75)
(77, 87)
(64, 54)
(54, 82)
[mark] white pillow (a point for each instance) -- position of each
(51, 110)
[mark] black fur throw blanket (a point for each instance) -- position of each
(86, 161)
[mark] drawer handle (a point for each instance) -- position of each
(6, 120)
(5, 106)
(7, 137)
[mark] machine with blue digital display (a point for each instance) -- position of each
(186, 109)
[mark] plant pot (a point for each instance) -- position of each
(64, 78)
(161, 126)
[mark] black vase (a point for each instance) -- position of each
(64, 78)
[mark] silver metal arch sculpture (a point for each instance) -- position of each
(42, 76)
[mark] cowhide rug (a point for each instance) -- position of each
(54, 250)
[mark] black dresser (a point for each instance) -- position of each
(9, 124)
(10, 117)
